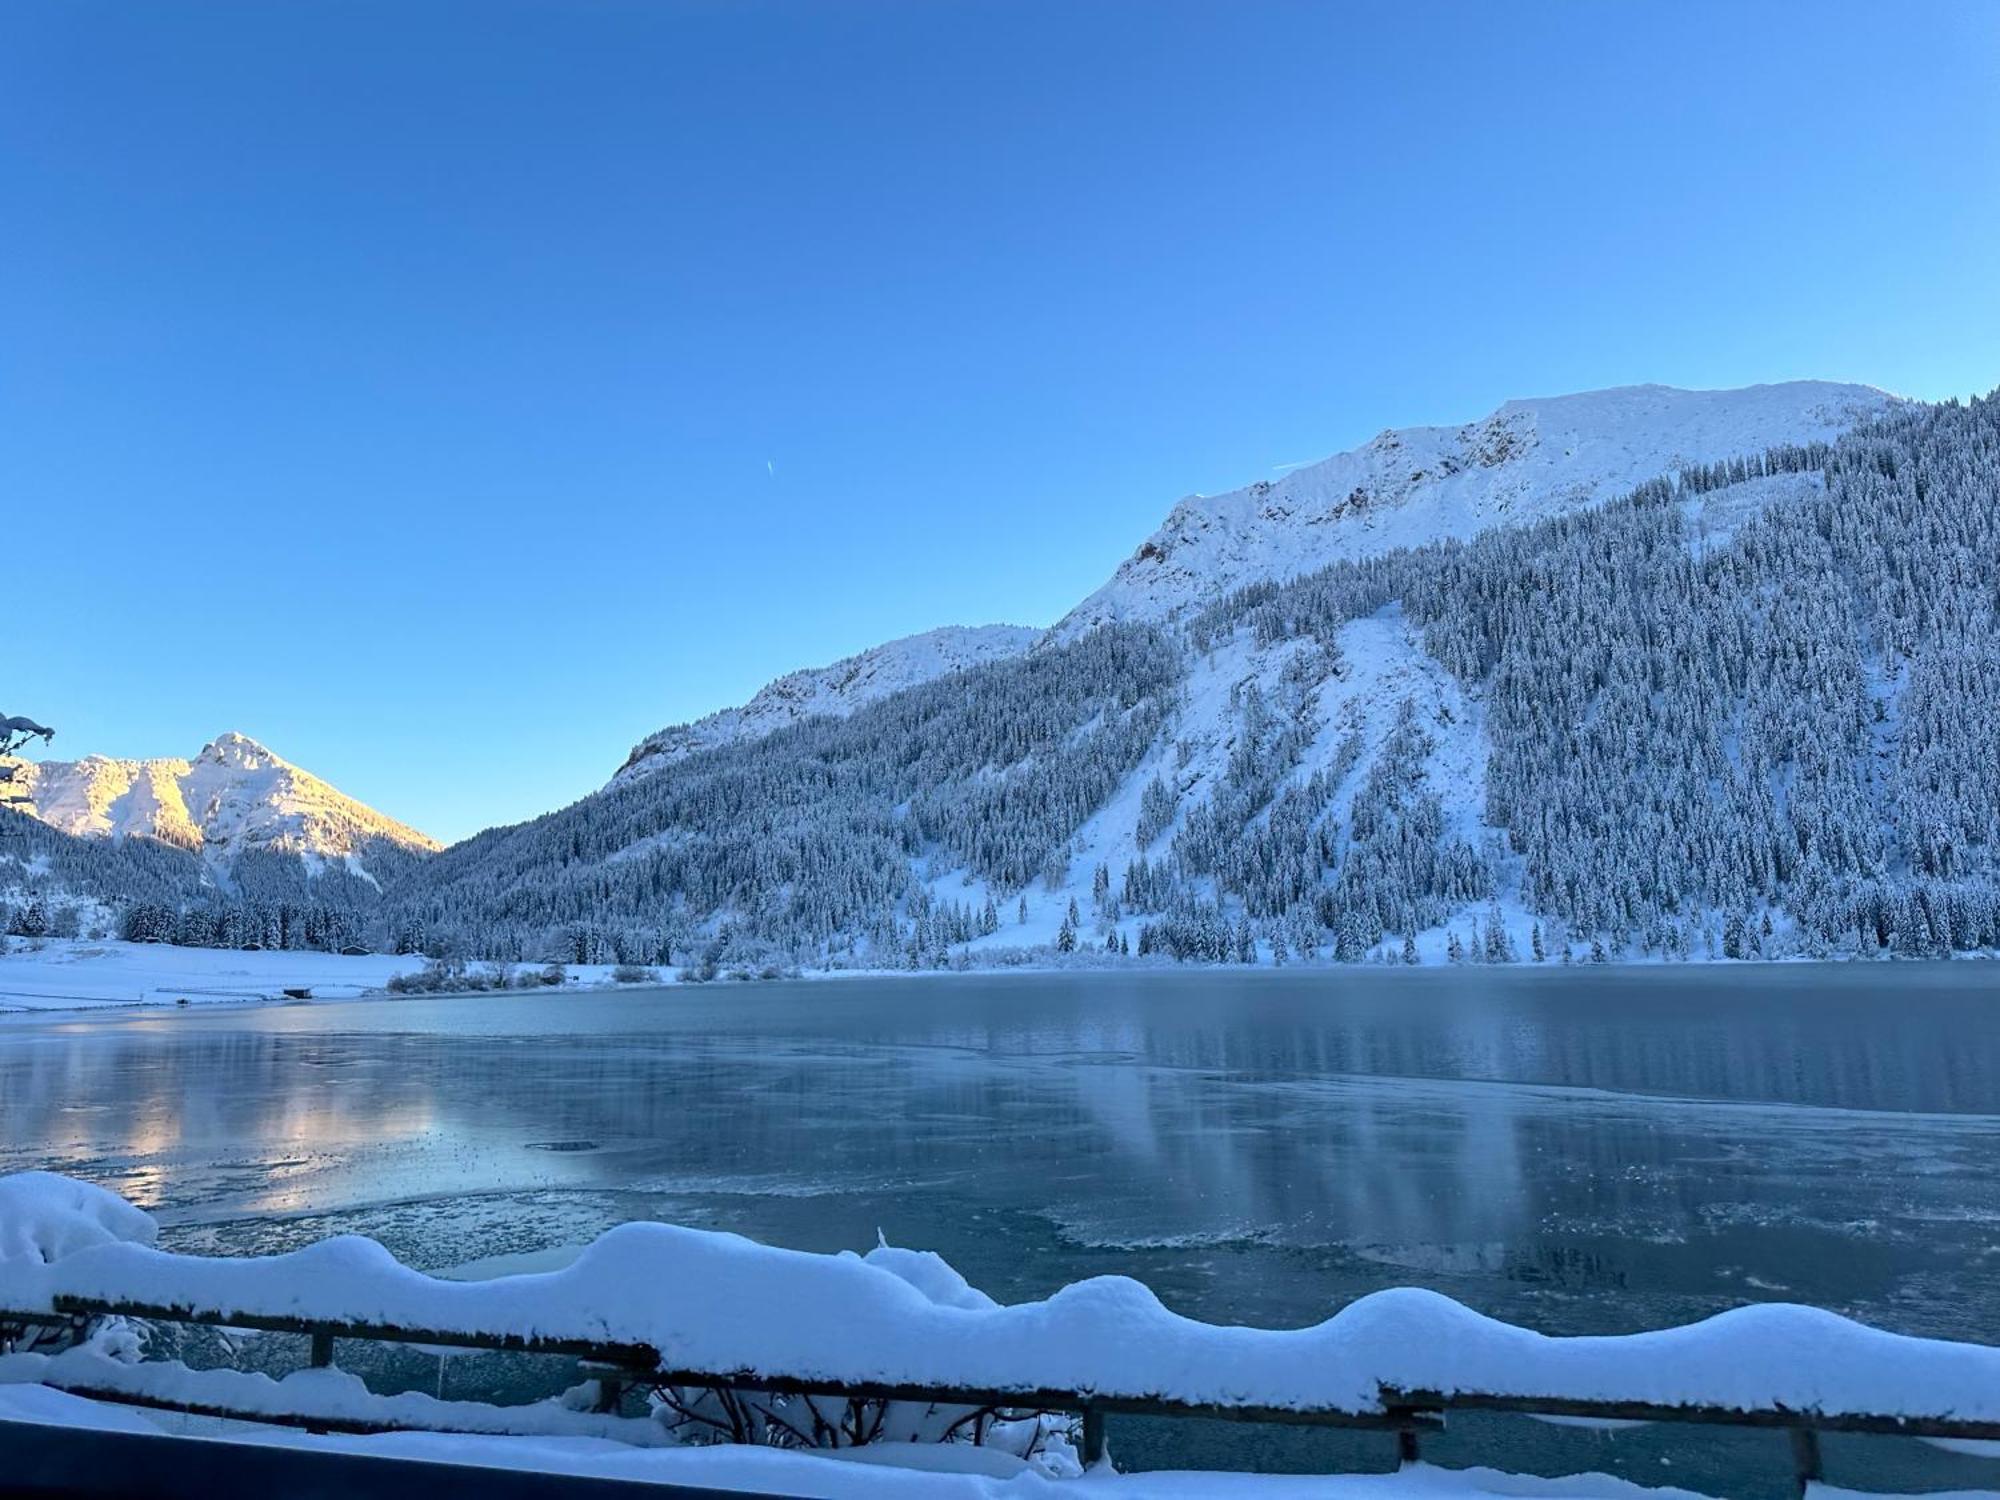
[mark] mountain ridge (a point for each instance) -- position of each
(1526, 460)
(838, 688)
(233, 798)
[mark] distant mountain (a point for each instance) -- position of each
(837, 690)
(1643, 672)
(234, 799)
(1526, 462)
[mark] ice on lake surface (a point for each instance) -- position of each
(1576, 1150)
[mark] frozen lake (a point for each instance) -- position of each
(1577, 1150)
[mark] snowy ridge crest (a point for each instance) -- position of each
(836, 690)
(1527, 461)
(234, 798)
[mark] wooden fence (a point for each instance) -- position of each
(617, 1367)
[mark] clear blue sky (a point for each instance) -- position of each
(450, 394)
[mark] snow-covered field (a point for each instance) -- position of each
(53, 974)
(76, 974)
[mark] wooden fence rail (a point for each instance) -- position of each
(618, 1366)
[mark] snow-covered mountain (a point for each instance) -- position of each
(1527, 461)
(234, 798)
(1640, 672)
(1673, 690)
(837, 690)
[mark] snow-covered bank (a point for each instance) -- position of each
(58, 974)
(77, 974)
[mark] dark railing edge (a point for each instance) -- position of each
(306, 1421)
(603, 1351)
(48, 1459)
(1773, 1417)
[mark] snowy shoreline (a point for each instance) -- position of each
(74, 976)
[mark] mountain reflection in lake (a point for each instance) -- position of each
(1577, 1150)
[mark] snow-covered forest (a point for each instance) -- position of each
(1746, 710)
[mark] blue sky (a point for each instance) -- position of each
(450, 394)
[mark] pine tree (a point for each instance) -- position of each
(32, 920)
(1732, 936)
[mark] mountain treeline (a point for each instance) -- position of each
(150, 890)
(809, 844)
(1782, 735)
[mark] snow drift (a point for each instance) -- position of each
(719, 1304)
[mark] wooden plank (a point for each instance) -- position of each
(197, 1394)
(307, 1421)
(642, 1366)
(639, 1356)
(1719, 1416)
(1041, 1400)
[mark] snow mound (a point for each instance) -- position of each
(719, 1304)
(836, 690)
(45, 1217)
(1527, 461)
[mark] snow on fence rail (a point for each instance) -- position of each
(661, 1306)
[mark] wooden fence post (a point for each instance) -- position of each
(321, 1358)
(1806, 1462)
(1406, 1445)
(1093, 1437)
(612, 1382)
